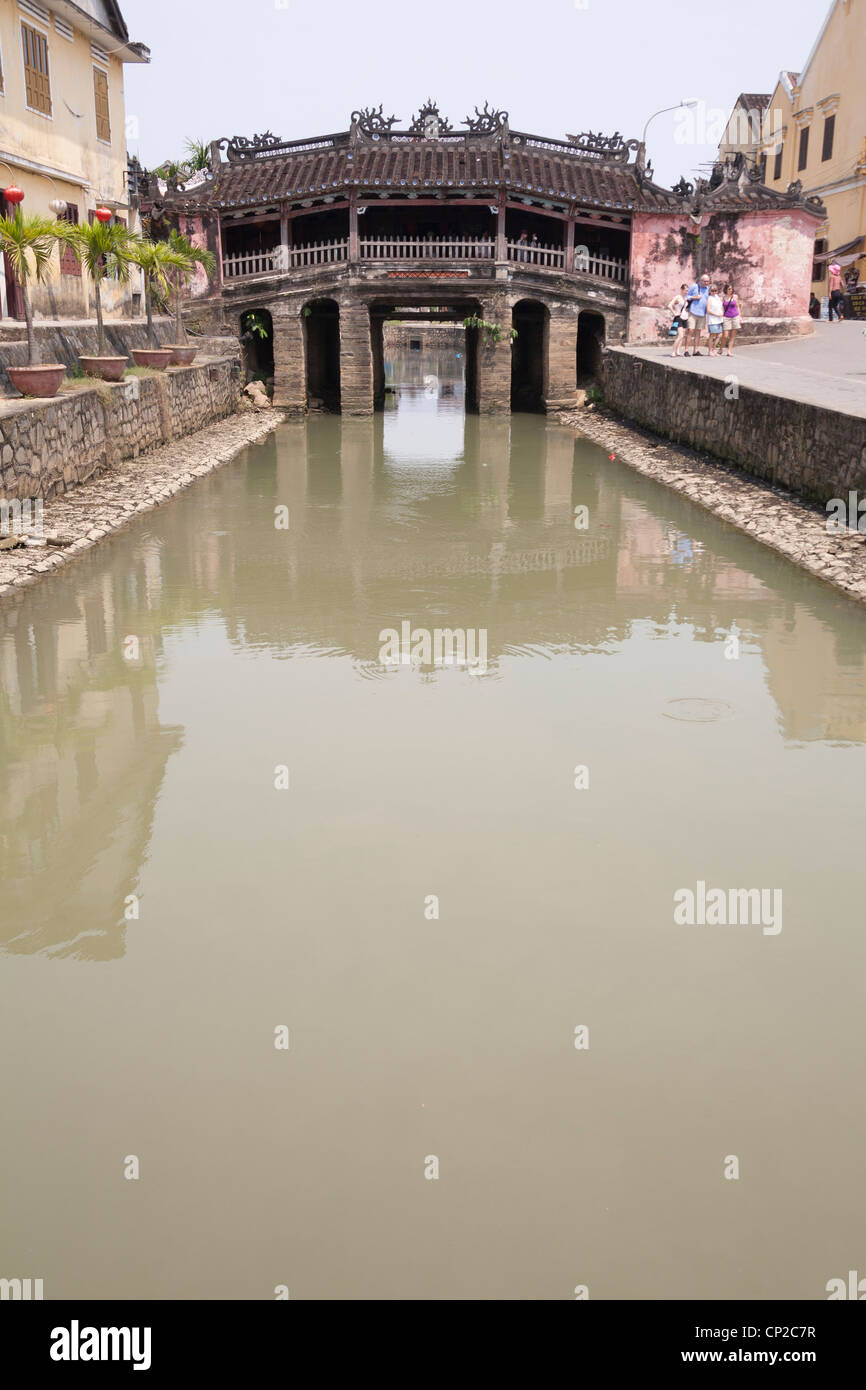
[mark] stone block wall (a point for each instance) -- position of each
(815, 452)
(47, 447)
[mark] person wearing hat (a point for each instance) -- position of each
(837, 292)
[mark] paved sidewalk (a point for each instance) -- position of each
(828, 368)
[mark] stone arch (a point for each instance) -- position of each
(321, 323)
(591, 332)
(529, 367)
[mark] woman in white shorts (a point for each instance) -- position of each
(715, 321)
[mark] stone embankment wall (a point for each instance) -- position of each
(47, 447)
(819, 454)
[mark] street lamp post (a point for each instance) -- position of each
(663, 111)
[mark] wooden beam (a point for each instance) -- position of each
(569, 246)
(501, 247)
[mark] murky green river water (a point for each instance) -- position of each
(149, 787)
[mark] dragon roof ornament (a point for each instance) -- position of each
(599, 146)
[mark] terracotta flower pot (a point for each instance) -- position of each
(157, 358)
(182, 355)
(105, 368)
(41, 381)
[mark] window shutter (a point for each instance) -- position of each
(100, 97)
(36, 72)
(829, 133)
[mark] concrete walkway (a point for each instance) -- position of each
(827, 368)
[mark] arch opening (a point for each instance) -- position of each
(531, 321)
(321, 319)
(590, 342)
(257, 346)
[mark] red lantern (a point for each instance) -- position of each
(102, 215)
(13, 194)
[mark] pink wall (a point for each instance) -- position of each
(767, 255)
(198, 283)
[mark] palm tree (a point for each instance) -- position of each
(104, 249)
(28, 243)
(157, 260)
(193, 256)
(198, 156)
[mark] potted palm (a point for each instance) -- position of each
(157, 260)
(27, 243)
(183, 353)
(104, 249)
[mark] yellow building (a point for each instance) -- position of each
(815, 132)
(63, 132)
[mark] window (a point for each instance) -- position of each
(69, 262)
(829, 133)
(804, 150)
(777, 167)
(100, 97)
(36, 74)
(819, 268)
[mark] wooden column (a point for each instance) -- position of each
(285, 235)
(569, 244)
(218, 252)
(501, 247)
(354, 238)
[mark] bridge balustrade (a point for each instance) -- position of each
(427, 248)
(418, 248)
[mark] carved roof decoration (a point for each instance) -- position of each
(598, 146)
(430, 123)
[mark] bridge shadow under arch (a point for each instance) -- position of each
(531, 321)
(321, 321)
(591, 332)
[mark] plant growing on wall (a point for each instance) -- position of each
(254, 323)
(104, 249)
(157, 261)
(491, 332)
(27, 243)
(191, 256)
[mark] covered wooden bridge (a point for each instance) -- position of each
(326, 238)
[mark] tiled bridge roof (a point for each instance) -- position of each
(588, 171)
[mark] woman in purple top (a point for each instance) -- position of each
(732, 320)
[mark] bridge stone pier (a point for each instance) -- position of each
(553, 248)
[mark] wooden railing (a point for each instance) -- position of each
(318, 253)
(528, 254)
(428, 248)
(420, 248)
(602, 267)
(248, 263)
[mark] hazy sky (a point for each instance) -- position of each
(299, 68)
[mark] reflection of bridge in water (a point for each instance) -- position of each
(489, 530)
